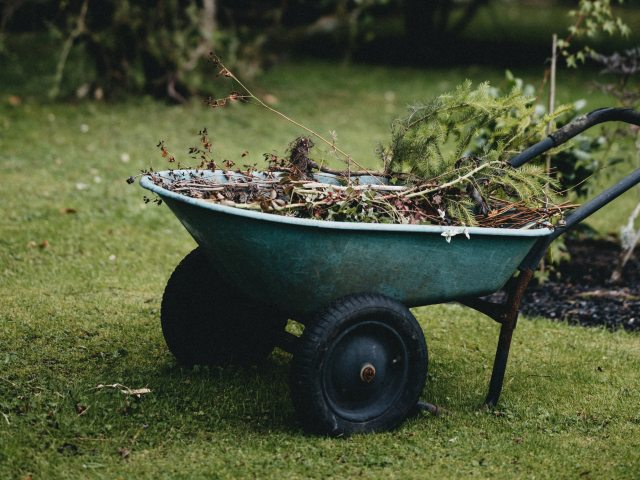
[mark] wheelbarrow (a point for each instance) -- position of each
(361, 362)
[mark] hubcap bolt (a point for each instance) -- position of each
(367, 373)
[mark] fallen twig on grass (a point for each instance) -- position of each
(138, 392)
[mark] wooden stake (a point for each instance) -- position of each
(552, 89)
(552, 106)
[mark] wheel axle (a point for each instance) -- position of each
(367, 373)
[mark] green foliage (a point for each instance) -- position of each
(592, 17)
(465, 137)
(159, 47)
(575, 163)
(156, 47)
(434, 136)
(577, 166)
(139, 46)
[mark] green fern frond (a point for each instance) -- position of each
(435, 141)
(461, 212)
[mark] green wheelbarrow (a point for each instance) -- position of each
(361, 362)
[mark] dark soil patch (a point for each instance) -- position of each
(580, 292)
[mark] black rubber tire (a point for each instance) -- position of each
(206, 322)
(329, 390)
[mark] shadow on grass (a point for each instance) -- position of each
(256, 400)
(252, 399)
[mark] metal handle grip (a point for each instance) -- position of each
(572, 129)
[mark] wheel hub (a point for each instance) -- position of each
(365, 370)
(367, 373)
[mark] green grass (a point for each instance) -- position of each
(82, 310)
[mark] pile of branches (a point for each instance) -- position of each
(446, 165)
(289, 188)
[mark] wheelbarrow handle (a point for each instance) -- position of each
(572, 129)
(578, 215)
(508, 312)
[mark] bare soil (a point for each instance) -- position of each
(580, 291)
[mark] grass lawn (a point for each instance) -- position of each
(83, 263)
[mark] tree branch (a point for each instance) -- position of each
(66, 48)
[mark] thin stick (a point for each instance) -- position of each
(9, 382)
(291, 120)
(201, 188)
(257, 206)
(552, 106)
(333, 146)
(453, 182)
(384, 188)
(552, 90)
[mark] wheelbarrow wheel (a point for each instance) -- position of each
(207, 322)
(359, 367)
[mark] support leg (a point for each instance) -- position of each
(500, 362)
(509, 322)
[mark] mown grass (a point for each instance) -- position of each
(83, 262)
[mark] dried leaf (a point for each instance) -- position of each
(14, 100)
(81, 409)
(124, 452)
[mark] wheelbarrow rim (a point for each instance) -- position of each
(146, 182)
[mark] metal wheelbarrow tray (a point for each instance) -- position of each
(361, 362)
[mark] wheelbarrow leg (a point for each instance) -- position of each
(509, 320)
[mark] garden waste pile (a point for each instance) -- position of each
(446, 164)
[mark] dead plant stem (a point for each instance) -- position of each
(349, 160)
(453, 182)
